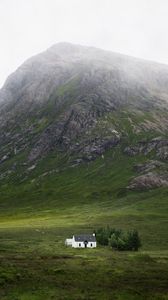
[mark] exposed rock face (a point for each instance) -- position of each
(98, 146)
(162, 153)
(159, 145)
(63, 134)
(149, 181)
(152, 171)
(148, 166)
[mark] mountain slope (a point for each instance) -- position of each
(83, 132)
(55, 99)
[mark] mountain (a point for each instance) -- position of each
(83, 145)
(82, 126)
(77, 100)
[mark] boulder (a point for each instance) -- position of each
(149, 181)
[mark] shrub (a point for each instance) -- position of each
(133, 240)
(103, 235)
(117, 239)
(117, 243)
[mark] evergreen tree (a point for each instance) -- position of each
(133, 240)
(117, 239)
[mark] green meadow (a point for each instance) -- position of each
(38, 213)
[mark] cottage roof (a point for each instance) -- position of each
(85, 237)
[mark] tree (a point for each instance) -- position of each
(133, 240)
(117, 243)
(113, 241)
(103, 234)
(117, 239)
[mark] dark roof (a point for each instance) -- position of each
(85, 237)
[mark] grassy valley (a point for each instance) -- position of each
(39, 213)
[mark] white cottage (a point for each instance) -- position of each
(82, 241)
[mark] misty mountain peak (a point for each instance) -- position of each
(83, 101)
(107, 74)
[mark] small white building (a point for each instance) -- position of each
(82, 241)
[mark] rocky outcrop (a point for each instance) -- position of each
(98, 146)
(162, 153)
(63, 134)
(159, 145)
(148, 166)
(148, 181)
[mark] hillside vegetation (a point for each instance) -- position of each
(83, 144)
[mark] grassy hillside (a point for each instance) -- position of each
(40, 212)
(56, 199)
(89, 195)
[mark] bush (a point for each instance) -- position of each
(133, 240)
(118, 240)
(103, 235)
(117, 243)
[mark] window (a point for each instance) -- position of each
(79, 244)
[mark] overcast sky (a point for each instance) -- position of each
(135, 27)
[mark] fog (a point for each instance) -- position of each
(134, 27)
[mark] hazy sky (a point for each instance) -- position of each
(134, 27)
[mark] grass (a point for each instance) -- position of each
(35, 264)
(36, 217)
(38, 211)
